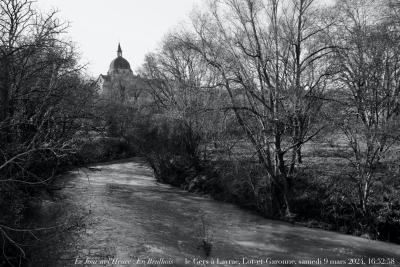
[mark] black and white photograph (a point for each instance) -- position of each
(204, 133)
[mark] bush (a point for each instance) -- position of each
(104, 149)
(172, 149)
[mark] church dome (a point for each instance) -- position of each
(119, 63)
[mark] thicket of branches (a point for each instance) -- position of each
(44, 102)
(276, 75)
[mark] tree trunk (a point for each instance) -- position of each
(299, 155)
(4, 100)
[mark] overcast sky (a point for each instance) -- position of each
(98, 25)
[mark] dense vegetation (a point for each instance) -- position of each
(287, 107)
(46, 113)
(283, 107)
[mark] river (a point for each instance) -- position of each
(127, 218)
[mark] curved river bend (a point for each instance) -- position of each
(131, 220)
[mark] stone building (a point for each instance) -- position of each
(121, 84)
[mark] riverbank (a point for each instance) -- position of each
(321, 196)
(124, 213)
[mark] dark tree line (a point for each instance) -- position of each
(45, 101)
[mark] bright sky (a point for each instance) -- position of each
(98, 25)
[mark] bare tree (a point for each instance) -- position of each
(368, 88)
(268, 58)
(183, 87)
(44, 101)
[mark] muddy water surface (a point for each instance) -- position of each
(130, 219)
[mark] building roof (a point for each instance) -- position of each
(119, 62)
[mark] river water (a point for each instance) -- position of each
(126, 218)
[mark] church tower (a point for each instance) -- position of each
(121, 86)
(119, 80)
(119, 51)
(119, 64)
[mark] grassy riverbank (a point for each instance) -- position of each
(322, 194)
